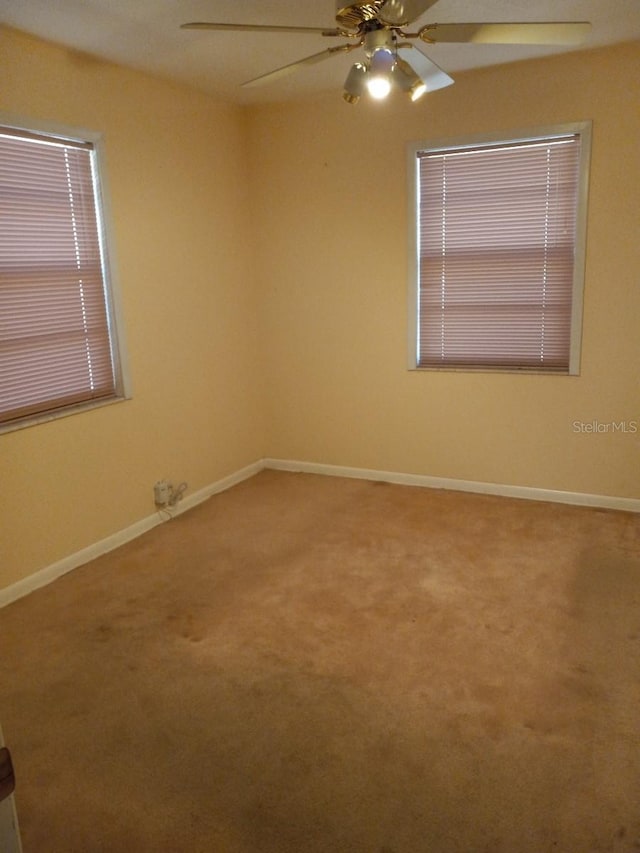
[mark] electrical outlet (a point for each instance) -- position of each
(162, 492)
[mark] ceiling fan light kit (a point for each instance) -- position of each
(409, 81)
(355, 84)
(380, 50)
(391, 60)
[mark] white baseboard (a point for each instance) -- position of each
(67, 564)
(219, 486)
(73, 561)
(423, 480)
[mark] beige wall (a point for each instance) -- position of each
(176, 177)
(330, 200)
(273, 323)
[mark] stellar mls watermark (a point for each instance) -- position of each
(599, 427)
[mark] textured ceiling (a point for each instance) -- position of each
(146, 34)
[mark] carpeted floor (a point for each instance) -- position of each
(307, 664)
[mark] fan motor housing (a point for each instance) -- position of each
(357, 13)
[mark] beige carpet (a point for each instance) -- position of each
(309, 664)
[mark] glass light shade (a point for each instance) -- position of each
(408, 80)
(382, 61)
(381, 67)
(354, 85)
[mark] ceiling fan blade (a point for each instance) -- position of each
(432, 75)
(401, 12)
(270, 76)
(265, 28)
(540, 33)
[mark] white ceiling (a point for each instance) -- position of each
(145, 34)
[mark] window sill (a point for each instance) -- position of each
(534, 371)
(56, 414)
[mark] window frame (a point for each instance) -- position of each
(110, 285)
(414, 150)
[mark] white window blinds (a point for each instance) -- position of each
(55, 347)
(496, 237)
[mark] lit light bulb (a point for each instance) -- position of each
(418, 91)
(378, 87)
(408, 80)
(381, 67)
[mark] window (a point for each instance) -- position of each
(498, 248)
(58, 343)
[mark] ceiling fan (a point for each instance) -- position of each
(391, 61)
